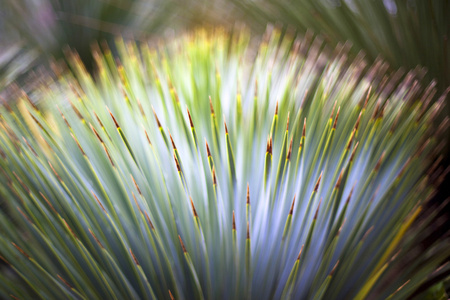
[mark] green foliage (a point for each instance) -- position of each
(13, 62)
(436, 292)
(47, 26)
(404, 33)
(313, 172)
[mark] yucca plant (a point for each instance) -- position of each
(215, 167)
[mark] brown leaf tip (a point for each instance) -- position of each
(96, 133)
(338, 183)
(225, 123)
(78, 144)
(21, 250)
(21, 183)
(378, 165)
(193, 208)
(96, 239)
(334, 268)
(24, 215)
(332, 111)
(171, 139)
(288, 157)
(77, 112)
(177, 163)
(367, 233)
(99, 203)
(208, 152)
(337, 116)
(175, 94)
(318, 182)
(352, 135)
(4, 260)
(291, 211)
(182, 245)
(214, 176)
(304, 128)
(190, 118)
(234, 221)
(211, 105)
(300, 253)
(287, 122)
(401, 287)
(374, 195)
(248, 231)
(48, 203)
(148, 138)
(248, 194)
(54, 171)
(317, 211)
(98, 120)
(136, 185)
(354, 151)
(276, 109)
(14, 297)
(134, 258)
(107, 154)
(405, 166)
(64, 281)
(156, 117)
(148, 220)
(395, 256)
(270, 145)
(171, 296)
(368, 95)
(70, 229)
(141, 109)
(350, 195)
(340, 228)
(36, 121)
(113, 118)
(63, 117)
(382, 110)
(5, 104)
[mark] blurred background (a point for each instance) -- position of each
(407, 34)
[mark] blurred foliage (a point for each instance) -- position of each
(404, 33)
(49, 25)
(436, 292)
(14, 61)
